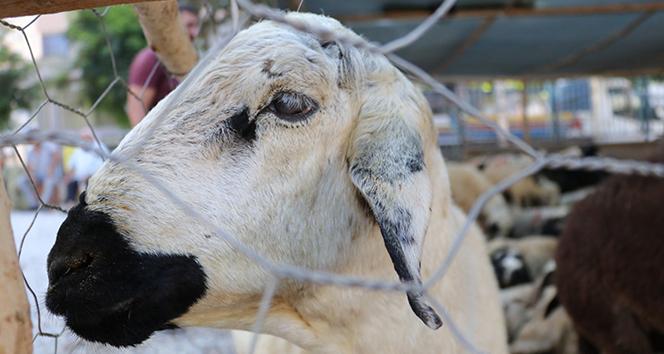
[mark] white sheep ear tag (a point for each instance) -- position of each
(388, 169)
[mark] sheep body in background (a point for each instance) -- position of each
(313, 154)
(510, 268)
(548, 330)
(535, 320)
(468, 184)
(517, 304)
(610, 260)
(527, 192)
(574, 180)
(536, 251)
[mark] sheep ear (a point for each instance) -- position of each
(386, 163)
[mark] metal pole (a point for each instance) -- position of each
(644, 109)
(524, 113)
(554, 112)
(456, 115)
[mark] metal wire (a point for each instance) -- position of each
(22, 136)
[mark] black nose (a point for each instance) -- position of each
(78, 244)
(110, 293)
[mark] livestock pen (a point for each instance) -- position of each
(487, 94)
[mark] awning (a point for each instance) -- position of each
(532, 38)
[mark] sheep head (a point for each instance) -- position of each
(294, 145)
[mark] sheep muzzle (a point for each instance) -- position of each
(110, 293)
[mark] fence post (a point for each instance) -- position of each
(15, 325)
(644, 109)
(166, 35)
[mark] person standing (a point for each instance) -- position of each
(80, 167)
(44, 164)
(149, 79)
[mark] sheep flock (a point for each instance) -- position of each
(578, 255)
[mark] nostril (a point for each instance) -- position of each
(81, 262)
(61, 267)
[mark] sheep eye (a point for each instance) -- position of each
(293, 107)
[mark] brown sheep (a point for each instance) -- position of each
(610, 260)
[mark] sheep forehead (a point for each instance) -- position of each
(245, 56)
(284, 54)
(274, 36)
(236, 73)
(281, 49)
(320, 22)
(260, 60)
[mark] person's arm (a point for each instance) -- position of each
(142, 75)
(135, 109)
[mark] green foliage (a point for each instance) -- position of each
(14, 91)
(94, 59)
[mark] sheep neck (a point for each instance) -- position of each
(351, 320)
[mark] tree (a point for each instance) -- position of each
(15, 92)
(94, 58)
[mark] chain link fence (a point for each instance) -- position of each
(49, 332)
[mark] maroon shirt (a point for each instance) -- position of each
(141, 70)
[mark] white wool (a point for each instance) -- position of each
(523, 192)
(468, 184)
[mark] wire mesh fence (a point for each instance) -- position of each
(48, 330)
(24, 135)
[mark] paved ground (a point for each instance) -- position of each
(33, 262)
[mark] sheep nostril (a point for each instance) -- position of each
(81, 262)
(59, 268)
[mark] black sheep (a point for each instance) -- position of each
(610, 258)
(571, 180)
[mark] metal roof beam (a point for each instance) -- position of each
(470, 41)
(595, 47)
(514, 11)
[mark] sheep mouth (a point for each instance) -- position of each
(119, 325)
(109, 293)
(99, 308)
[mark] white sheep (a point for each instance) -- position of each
(468, 184)
(548, 330)
(313, 153)
(535, 320)
(517, 306)
(527, 192)
(536, 250)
